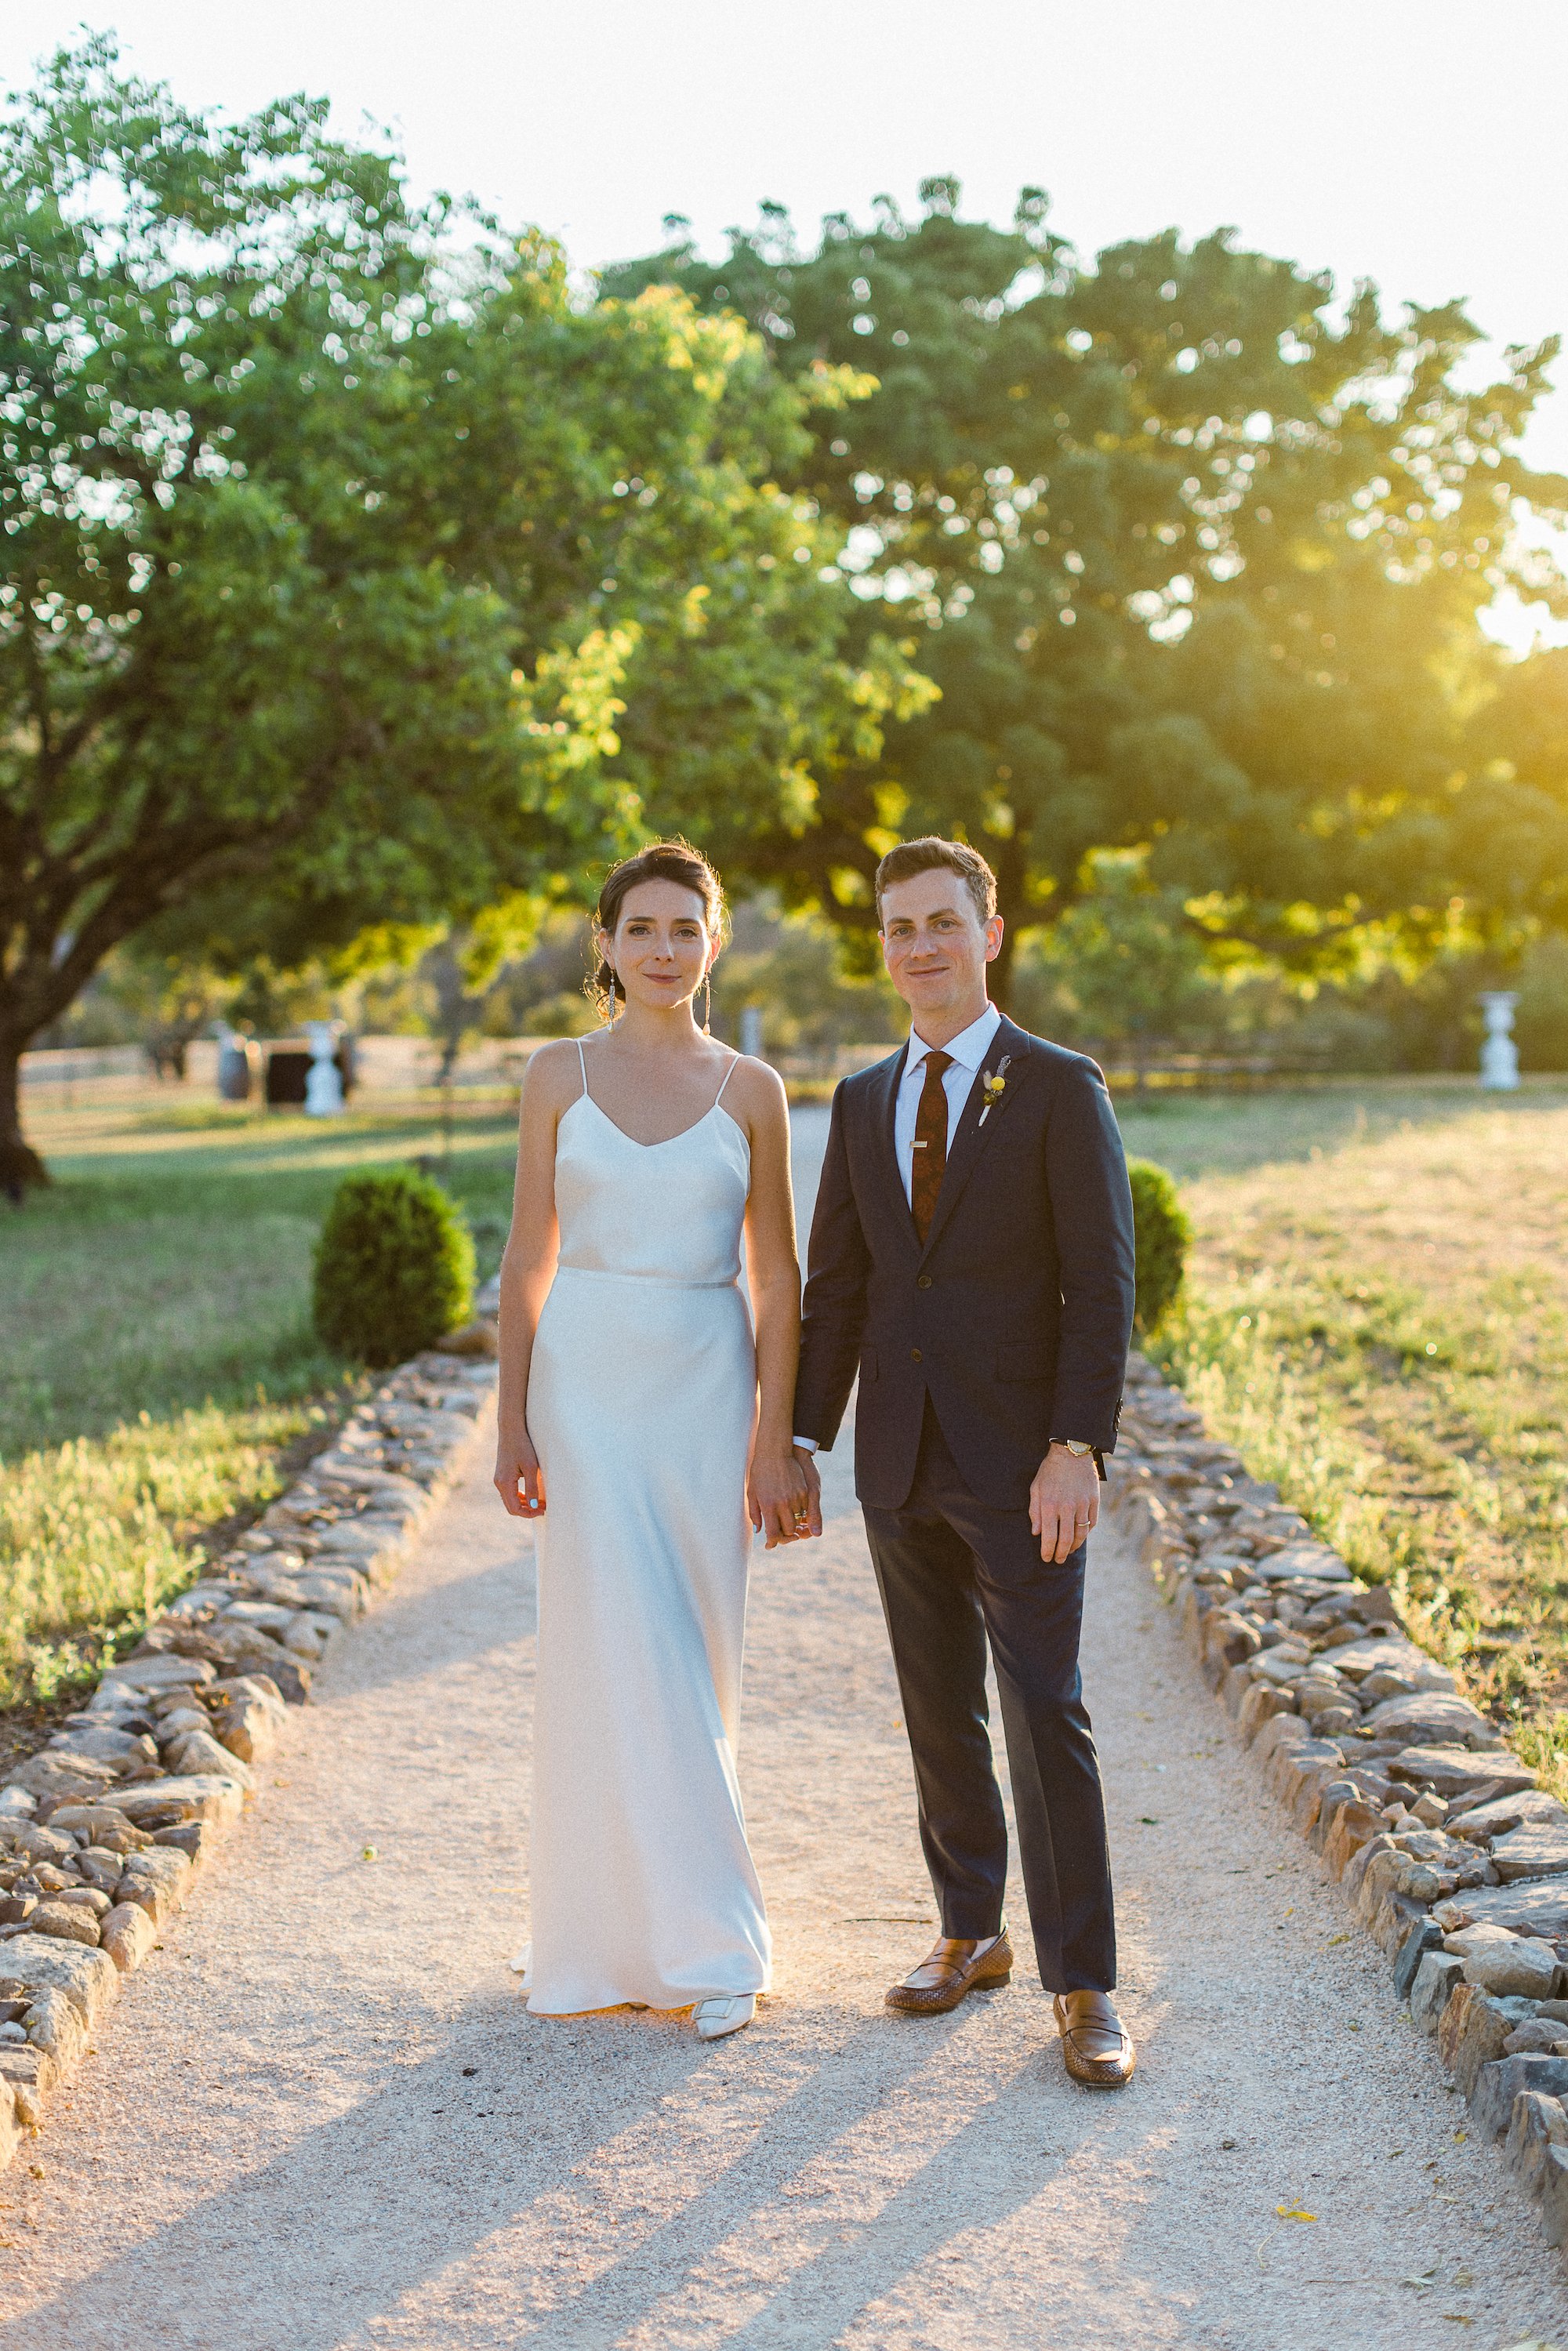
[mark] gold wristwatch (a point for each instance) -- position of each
(1071, 1444)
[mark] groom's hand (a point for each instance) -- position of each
(808, 1462)
(1064, 1501)
(781, 1496)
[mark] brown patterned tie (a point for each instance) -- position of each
(930, 1143)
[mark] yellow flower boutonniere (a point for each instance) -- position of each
(994, 1086)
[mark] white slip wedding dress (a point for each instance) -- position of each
(641, 1393)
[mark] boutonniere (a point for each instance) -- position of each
(994, 1086)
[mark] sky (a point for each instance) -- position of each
(1425, 148)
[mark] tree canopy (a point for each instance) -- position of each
(358, 578)
(351, 574)
(1195, 557)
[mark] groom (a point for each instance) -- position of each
(972, 1257)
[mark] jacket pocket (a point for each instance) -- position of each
(868, 1363)
(1023, 1363)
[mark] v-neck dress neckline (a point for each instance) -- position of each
(664, 1141)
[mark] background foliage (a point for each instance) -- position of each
(393, 1268)
(1195, 560)
(1163, 1236)
(355, 578)
(365, 587)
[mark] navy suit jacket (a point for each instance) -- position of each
(1016, 1315)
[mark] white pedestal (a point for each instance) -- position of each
(1499, 1054)
(323, 1084)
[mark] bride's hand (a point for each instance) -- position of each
(779, 1498)
(520, 1481)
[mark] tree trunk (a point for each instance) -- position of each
(20, 1165)
(1010, 860)
(999, 978)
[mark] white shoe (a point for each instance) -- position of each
(714, 2018)
(524, 1960)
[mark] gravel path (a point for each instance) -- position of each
(321, 2117)
(321, 2121)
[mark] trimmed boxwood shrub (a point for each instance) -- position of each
(1160, 1223)
(393, 1269)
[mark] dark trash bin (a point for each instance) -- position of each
(288, 1066)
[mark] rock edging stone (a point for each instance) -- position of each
(1454, 1860)
(102, 1830)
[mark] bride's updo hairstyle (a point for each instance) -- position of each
(661, 861)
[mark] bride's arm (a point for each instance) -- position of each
(777, 1490)
(526, 1269)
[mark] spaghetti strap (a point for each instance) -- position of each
(582, 1065)
(727, 1075)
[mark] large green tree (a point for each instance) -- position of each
(1195, 558)
(351, 572)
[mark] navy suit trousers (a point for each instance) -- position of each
(954, 1575)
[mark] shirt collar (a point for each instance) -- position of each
(968, 1049)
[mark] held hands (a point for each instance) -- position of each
(783, 1496)
(1064, 1501)
(520, 1481)
(782, 1491)
(806, 1463)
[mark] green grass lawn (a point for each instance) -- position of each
(1377, 1313)
(1201, 1134)
(1377, 1316)
(169, 1264)
(160, 1370)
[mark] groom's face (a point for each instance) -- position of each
(936, 946)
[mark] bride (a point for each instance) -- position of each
(642, 1427)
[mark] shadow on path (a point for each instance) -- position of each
(356, 2220)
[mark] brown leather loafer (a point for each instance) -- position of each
(954, 1970)
(1095, 2044)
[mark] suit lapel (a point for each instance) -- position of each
(887, 1110)
(977, 1126)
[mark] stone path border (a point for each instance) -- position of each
(101, 1830)
(1451, 1856)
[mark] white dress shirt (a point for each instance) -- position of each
(969, 1050)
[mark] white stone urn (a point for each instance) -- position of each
(323, 1082)
(1499, 1054)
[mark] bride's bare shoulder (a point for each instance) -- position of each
(756, 1092)
(554, 1075)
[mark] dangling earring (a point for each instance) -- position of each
(707, 1003)
(609, 994)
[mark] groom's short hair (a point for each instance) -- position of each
(930, 854)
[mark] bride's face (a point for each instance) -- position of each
(661, 949)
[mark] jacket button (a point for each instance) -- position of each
(915, 1355)
(924, 1282)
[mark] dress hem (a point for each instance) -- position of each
(666, 1999)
